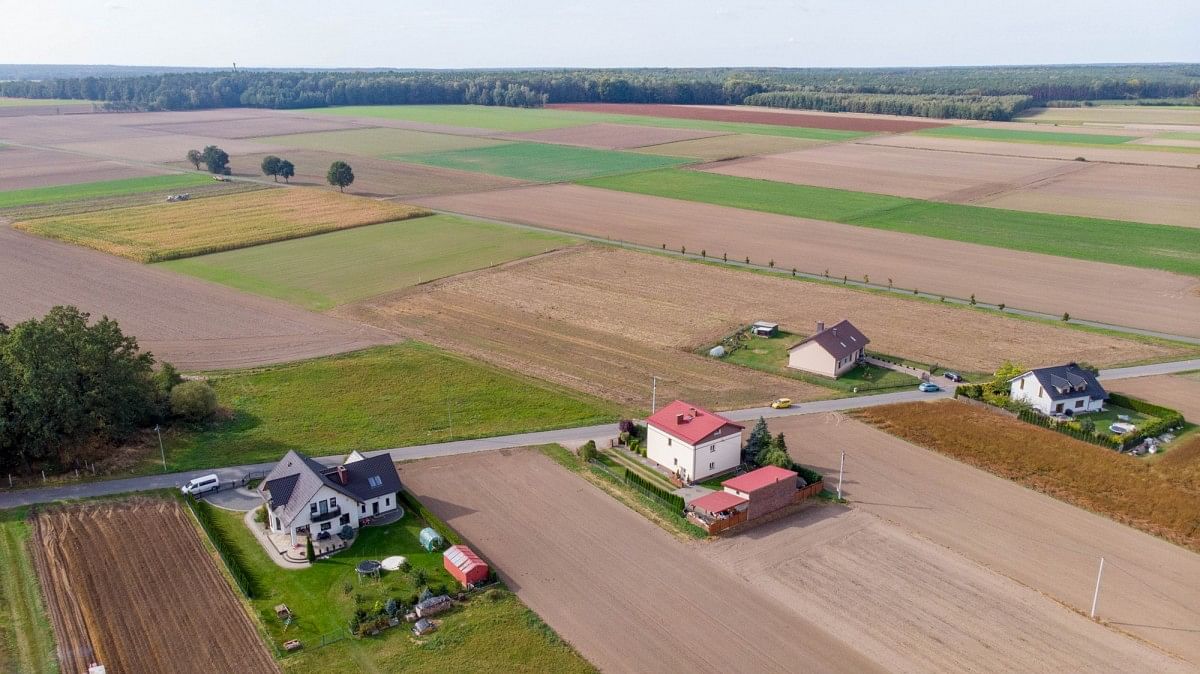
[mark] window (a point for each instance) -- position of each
(312, 509)
(387, 501)
(374, 481)
(333, 503)
(1078, 404)
(362, 507)
(668, 442)
(712, 449)
(1041, 391)
(326, 526)
(1021, 385)
(675, 461)
(711, 465)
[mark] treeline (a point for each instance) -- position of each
(920, 105)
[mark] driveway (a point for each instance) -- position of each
(240, 499)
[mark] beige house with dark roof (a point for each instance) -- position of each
(829, 352)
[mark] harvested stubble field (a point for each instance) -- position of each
(194, 324)
(376, 177)
(1103, 292)
(1179, 392)
(752, 115)
(542, 162)
(605, 136)
(379, 142)
(159, 147)
(167, 231)
(730, 146)
(1122, 487)
(275, 124)
(1115, 114)
(577, 317)
(23, 168)
(1096, 153)
(112, 573)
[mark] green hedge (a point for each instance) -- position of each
(245, 582)
(674, 500)
(432, 520)
(1147, 408)
(810, 476)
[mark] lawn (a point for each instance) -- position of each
(1020, 136)
(379, 142)
(1154, 497)
(543, 162)
(26, 637)
(493, 632)
(1134, 244)
(391, 396)
(166, 231)
(175, 182)
(1109, 416)
(617, 459)
(770, 354)
(320, 272)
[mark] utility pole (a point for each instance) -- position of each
(163, 452)
(1096, 595)
(841, 471)
(653, 393)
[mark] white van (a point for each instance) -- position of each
(202, 485)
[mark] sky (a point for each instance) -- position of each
(613, 33)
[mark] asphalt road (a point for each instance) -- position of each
(12, 499)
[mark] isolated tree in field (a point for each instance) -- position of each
(759, 440)
(340, 175)
(270, 166)
(286, 170)
(216, 159)
(196, 158)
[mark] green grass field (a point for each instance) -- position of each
(543, 162)
(319, 272)
(103, 189)
(491, 633)
(1019, 136)
(1179, 135)
(771, 355)
(499, 118)
(1134, 244)
(379, 142)
(6, 102)
(26, 638)
(392, 396)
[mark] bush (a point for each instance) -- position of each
(1087, 426)
(260, 514)
(588, 451)
(193, 401)
(673, 500)
(494, 594)
(309, 553)
(626, 425)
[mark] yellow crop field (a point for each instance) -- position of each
(166, 231)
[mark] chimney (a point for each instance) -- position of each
(692, 412)
(679, 418)
(820, 326)
(342, 477)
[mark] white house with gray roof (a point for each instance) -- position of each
(306, 497)
(1062, 389)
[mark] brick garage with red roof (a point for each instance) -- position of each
(767, 489)
(692, 442)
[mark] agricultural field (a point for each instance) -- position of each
(172, 230)
(1137, 154)
(1118, 486)
(26, 169)
(493, 632)
(540, 162)
(190, 323)
(251, 126)
(8, 102)
(1015, 134)
(379, 142)
(1115, 114)
(161, 148)
(1039, 541)
(323, 271)
(730, 146)
(26, 638)
(406, 394)
(771, 355)
(1151, 246)
(858, 124)
(611, 136)
(576, 317)
(376, 177)
(496, 118)
(105, 189)
(1178, 392)
(91, 573)
(1100, 292)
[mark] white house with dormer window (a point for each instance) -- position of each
(1062, 389)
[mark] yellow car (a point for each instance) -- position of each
(782, 403)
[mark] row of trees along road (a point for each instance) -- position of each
(71, 392)
(216, 160)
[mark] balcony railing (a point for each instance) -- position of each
(327, 515)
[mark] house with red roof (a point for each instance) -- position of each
(749, 497)
(692, 442)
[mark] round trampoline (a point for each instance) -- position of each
(368, 567)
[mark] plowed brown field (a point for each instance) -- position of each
(1040, 150)
(131, 586)
(734, 113)
(1114, 294)
(22, 168)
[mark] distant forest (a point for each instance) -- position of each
(971, 92)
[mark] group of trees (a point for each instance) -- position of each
(214, 159)
(532, 88)
(278, 168)
(70, 390)
(997, 108)
(764, 450)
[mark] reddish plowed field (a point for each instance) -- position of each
(130, 585)
(753, 116)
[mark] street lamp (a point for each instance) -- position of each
(163, 452)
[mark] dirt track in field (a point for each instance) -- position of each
(834, 589)
(23, 168)
(754, 115)
(1179, 392)
(1149, 587)
(1039, 150)
(610, 136)
(130, 585)
(1096, 291)
(190, 323)
(619, 589)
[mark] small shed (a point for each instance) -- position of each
(430, 539)
(465, 565)
(423, 626)
(764, 329)
(433, 605)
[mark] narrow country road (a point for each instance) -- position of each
(23, 497)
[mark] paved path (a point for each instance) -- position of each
(240, 499)
(567, 436)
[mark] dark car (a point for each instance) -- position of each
(953, 376)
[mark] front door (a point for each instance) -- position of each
(1058, 407)
(375, 508)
